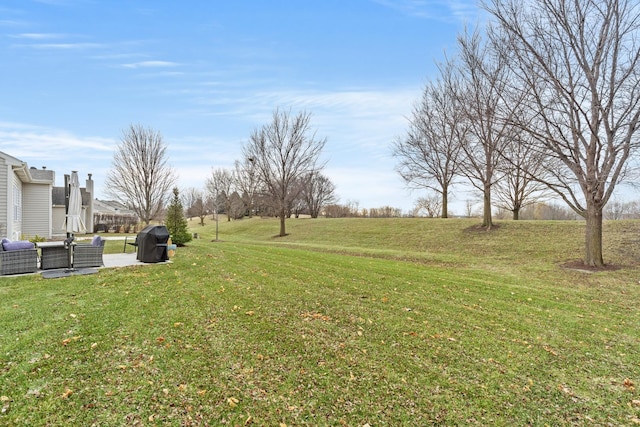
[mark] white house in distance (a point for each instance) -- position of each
(27, 206)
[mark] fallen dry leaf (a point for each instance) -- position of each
(68, 392)
(316, 316)
(233, 402)
(565, 390)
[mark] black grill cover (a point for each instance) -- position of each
(152, 244)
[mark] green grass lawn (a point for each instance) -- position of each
(342, 322)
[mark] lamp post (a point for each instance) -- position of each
(215, 207)
(251, 185)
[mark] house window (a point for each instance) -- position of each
(17, 202)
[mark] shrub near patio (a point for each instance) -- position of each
(354, 322)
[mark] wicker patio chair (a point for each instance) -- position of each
(88, 254)
(18, 261)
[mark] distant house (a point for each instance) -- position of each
(27, 205)
(110, 215)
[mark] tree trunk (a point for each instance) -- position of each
(487, 220)
(593, 237)
(516, 214)
(445, 203)
(282, 226)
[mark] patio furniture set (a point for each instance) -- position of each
(20, 257)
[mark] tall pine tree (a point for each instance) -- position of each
(176, 222)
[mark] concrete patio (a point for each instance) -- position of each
(110, 261)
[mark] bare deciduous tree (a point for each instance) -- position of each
(429, 154)
(284, 151)
(481, 96)
(220, 186)
(317, 191)
(522, 170)
(197, 204)
(431, 205)
(247, 182)
(578, 64)
(237, 208)
(140, 177)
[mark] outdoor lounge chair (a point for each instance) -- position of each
(17, 258)
(89, 254)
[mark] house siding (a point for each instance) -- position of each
(5, 169)
(36, 211)
(17, 204)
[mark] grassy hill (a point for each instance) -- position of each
(342, 322)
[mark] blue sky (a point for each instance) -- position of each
(206, 73)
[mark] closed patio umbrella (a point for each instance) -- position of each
(73, 219)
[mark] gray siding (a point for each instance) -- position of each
(36, 210)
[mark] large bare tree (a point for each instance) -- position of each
(284, 151)
(481, 97)
(140, 176)
(428, 155)
(578, 64)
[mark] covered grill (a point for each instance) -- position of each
(152, 244)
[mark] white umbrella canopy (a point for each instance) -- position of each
(73, 220)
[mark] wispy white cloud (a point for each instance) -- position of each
(362, 184)
(63, 46)
(63, 149)
(442, 10)
(62, 2)
(362, 118)
(38, 36)
(11, 23)
(151, 64)
(27, 140)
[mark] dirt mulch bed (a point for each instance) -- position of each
(579, 265)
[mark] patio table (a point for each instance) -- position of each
(54, 255)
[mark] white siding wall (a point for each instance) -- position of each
(17, 204)
(58, 221)
(5, 203)
(36, 214)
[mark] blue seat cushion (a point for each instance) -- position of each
(16, 246)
